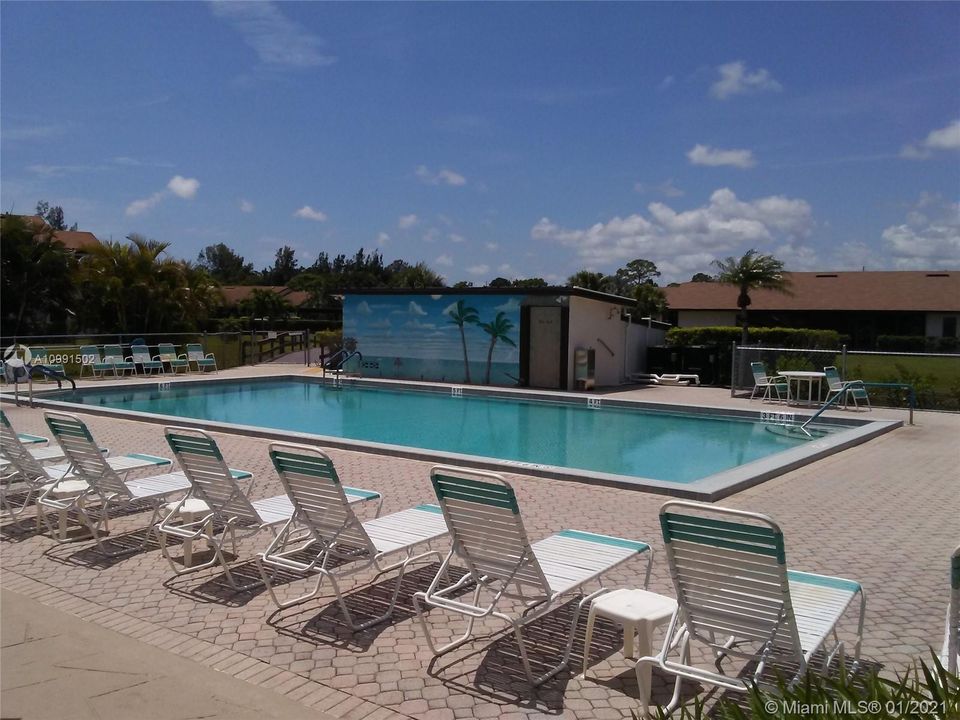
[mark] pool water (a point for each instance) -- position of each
(672, 447)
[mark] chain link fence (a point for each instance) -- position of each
(935, 377)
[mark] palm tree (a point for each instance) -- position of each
(461, 315)
(751, 272)
(588, 280)
(497, 330)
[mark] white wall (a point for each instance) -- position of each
(639, 338)
(706, 318)
(935, 323)
(592, 321)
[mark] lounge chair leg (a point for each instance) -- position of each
(420, 596)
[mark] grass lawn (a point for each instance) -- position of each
(936, 379)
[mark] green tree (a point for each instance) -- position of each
(634, 274)
(651, 300)
(588, 280)
(460, 316)
(533, 282)
(417, 276)
(497, 330)
(703, 277)
(224, 265)
(53, 216)
(285, 267)
(751, 272)
(265, 304)
(36, 285)
(499, 282)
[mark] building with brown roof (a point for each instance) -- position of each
(76, 241)
(233, 295)
(863, 305)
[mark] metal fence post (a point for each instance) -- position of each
(843, 359)
(733, 368)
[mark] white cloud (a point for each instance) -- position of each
(492, 246)
(185, 188)
(736, 79)
(930, 237)
(478, 269)
(431, 235)
(687, 241)
(382, 239)
(277, 40)
(441, 177)
(506, 269)
(945, 138)
(713, 157)
(182, 187)
(511, 305)
(363, 308)
(140, 206)
(246, 206)
(668, 81)
(414, 309)
(443, 260)
(666, 188)
(455, 238)
(407, 221)
(308, 213)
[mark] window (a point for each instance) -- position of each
(950, 326)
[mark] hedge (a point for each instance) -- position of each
(768, 336)
(917, 343)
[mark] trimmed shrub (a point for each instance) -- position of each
(777, 337)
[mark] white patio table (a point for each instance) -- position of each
(800, 376)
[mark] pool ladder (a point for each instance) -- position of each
(336, 363)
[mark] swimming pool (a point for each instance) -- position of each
(572, 435)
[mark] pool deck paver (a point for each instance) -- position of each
(886, 513)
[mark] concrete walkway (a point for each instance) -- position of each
(61, 667)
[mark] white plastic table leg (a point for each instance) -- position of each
(644, 649)
(591, 618)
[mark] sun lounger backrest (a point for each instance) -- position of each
(167, 352)
(482, 513)
(833, 378)
(112, 353)
(313, 486)
(758, 370)
(140, 353)
(729, 571)
(86, 458)
(195, 351)
(202, 462)
(13, 450)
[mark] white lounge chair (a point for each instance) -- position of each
(482, 513)
(140, 355)
(951, 642)
(736, 596)
(224, 503)
(767, 383)
(105, 480)
(202, 361)
(325, 528)
(23, 475)
(665, 379)
(168, 354)
(114, 354)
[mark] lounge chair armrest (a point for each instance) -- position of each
(183, 356)
(156, 358)
(210, 355)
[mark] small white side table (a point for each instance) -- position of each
(64, 489)
(191, 510)
(640, 612)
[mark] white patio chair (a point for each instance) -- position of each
(767, 383)
(849, 390)
(106, 483)
(951, 642)
(325, 528)
(482, 513)
(226, 504)
(736, 596)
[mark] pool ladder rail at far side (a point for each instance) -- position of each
(335, 366)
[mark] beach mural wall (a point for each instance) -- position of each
(471, 339)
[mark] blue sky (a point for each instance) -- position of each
(507, 139)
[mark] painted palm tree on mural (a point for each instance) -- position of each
(497, 330)
(460, 316)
